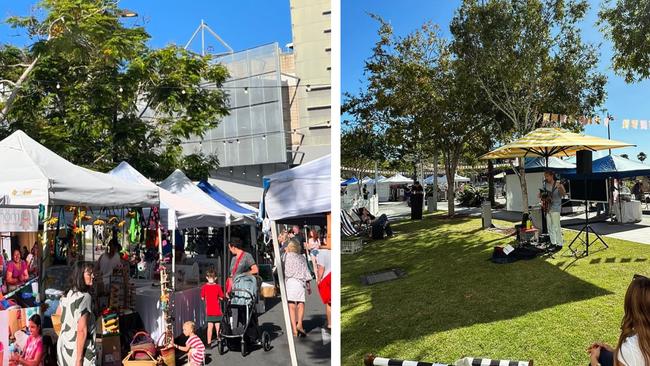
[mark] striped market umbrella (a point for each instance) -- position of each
(547, 142)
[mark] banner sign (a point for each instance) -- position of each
(13, 219)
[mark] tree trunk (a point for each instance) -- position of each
(450, 171)
(490, 169)
(524, 186)
(435, 181)
(10, 100)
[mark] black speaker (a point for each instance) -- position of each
(583, 162)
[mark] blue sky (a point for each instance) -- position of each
(359, 33)
(242, 24)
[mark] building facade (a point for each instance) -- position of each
(280, 106)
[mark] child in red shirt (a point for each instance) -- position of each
(212, 293)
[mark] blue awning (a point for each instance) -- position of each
(224, 199)
(539, 165)
(349, 181)
(612, 166)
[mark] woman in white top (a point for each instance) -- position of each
(633, 348)
(108, 261)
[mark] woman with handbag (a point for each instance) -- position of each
(76, 343)
(242, 262)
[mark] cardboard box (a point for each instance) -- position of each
(109, 350)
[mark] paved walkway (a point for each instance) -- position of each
(314, 350)
(637, 232)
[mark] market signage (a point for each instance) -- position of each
(14, 219)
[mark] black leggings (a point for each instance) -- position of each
(381, 225)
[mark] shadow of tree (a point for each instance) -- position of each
(450, 285)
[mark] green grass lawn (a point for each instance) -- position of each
(454, 302)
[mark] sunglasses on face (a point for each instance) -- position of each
(638, 276)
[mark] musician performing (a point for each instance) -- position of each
(551, 199)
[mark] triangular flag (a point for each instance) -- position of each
(563, 118)
(545, 117)
(644, 124)
(597, 120)
(626, 123)
(635, 123)
(553, 117)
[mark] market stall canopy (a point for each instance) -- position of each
(33, 174)
(187, 213)
(547, 142)
(178, 183)
(398, 179)
(554, 163)
(443, 179)
(539, 165)
(347, 182)
(300, 191)
(227, 200)
(612, 166)
(365, 180)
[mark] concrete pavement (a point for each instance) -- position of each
(314, 350)
(635, 232)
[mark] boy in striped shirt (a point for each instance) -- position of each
(193, 346)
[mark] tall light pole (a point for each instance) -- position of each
(610, 118)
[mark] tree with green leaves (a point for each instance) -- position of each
(528, 58)
(423, 100)
(627, 25)
(361, 148)
(89, 88)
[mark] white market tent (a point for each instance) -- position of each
(181, 213)
(33, 175)
(178, 183)
(184, 213)
(443, 180)
(383, 186)
(299, 192)
(398, 179)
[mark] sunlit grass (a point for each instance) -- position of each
(454, 302)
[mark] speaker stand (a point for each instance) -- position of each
(586, 228)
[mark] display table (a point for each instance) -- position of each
(187, 306)
(631, 211)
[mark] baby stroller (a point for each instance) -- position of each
(239, 320)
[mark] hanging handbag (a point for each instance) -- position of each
(234, 270)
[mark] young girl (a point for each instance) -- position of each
(193, 346)
(212, 293)
(313, 245)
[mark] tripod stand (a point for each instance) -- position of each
(586, 228)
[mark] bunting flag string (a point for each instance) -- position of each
(556, 118)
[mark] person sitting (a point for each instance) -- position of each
(633, 348)
(17, 271)
(379, 225)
